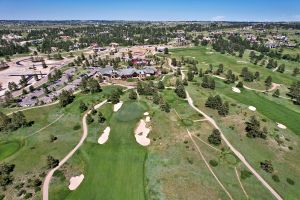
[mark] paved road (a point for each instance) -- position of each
(47, 180)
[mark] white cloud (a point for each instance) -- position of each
(218, 18)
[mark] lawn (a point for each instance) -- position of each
(9, 148)
(282, 146)
(230, 62)
(114, 170)
(272, 110)
(29, 152)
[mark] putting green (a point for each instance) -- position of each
(8, 148)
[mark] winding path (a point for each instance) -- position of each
(235, 151)
(47, 180)
(274, 85)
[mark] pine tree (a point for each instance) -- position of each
(156, 98)
(276, 93)
(82, 106)
(215, 137)
(89, 119)
(240, 84)
(160, 85)
(140, 88)
(180, 91)
(190, 75)
(132, 95)
(268, 82)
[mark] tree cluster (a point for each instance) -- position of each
(215, 137)
(215, 102)
(208, 82)
(17, 120)
(253, 129)
(65, 98)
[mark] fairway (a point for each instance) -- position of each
(276, 112)
(114, 170)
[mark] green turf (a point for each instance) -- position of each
(8, 148)
(114, 170)
(230, 62)
(274, 111)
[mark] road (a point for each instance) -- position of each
(47, 180)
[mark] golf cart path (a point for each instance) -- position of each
(47, 180)
(274, 85)
(236, 152)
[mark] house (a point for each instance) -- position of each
(161, 49)
(129, 72)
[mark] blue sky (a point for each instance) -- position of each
(228, 10)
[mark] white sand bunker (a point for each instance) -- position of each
(141, 133)
(118, 106)
(104, 137)
(75, 182)
(241, 61)
(146, 113)
(252, 108)
(210, 52)
(235, 89)
(281, 126)
(147, 119)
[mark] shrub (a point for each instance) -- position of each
(215, 137)
(290, 181)
(275, 178)
(76, 127)
(213, 163)
(28, 195)
(267, 166)
(245, 174)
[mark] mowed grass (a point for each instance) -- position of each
(230, 62)
(114, 170)
(9, 148)
(28, 147)
(257, 150)
(272, 110)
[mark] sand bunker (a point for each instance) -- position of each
(235, 89)
(75, 182)
(252, 108)
(147, 119)
(141, 133)
(242, 62)
(210, 52)
(104, 137)
(281, 126)
(146, 113)
(118, 106)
